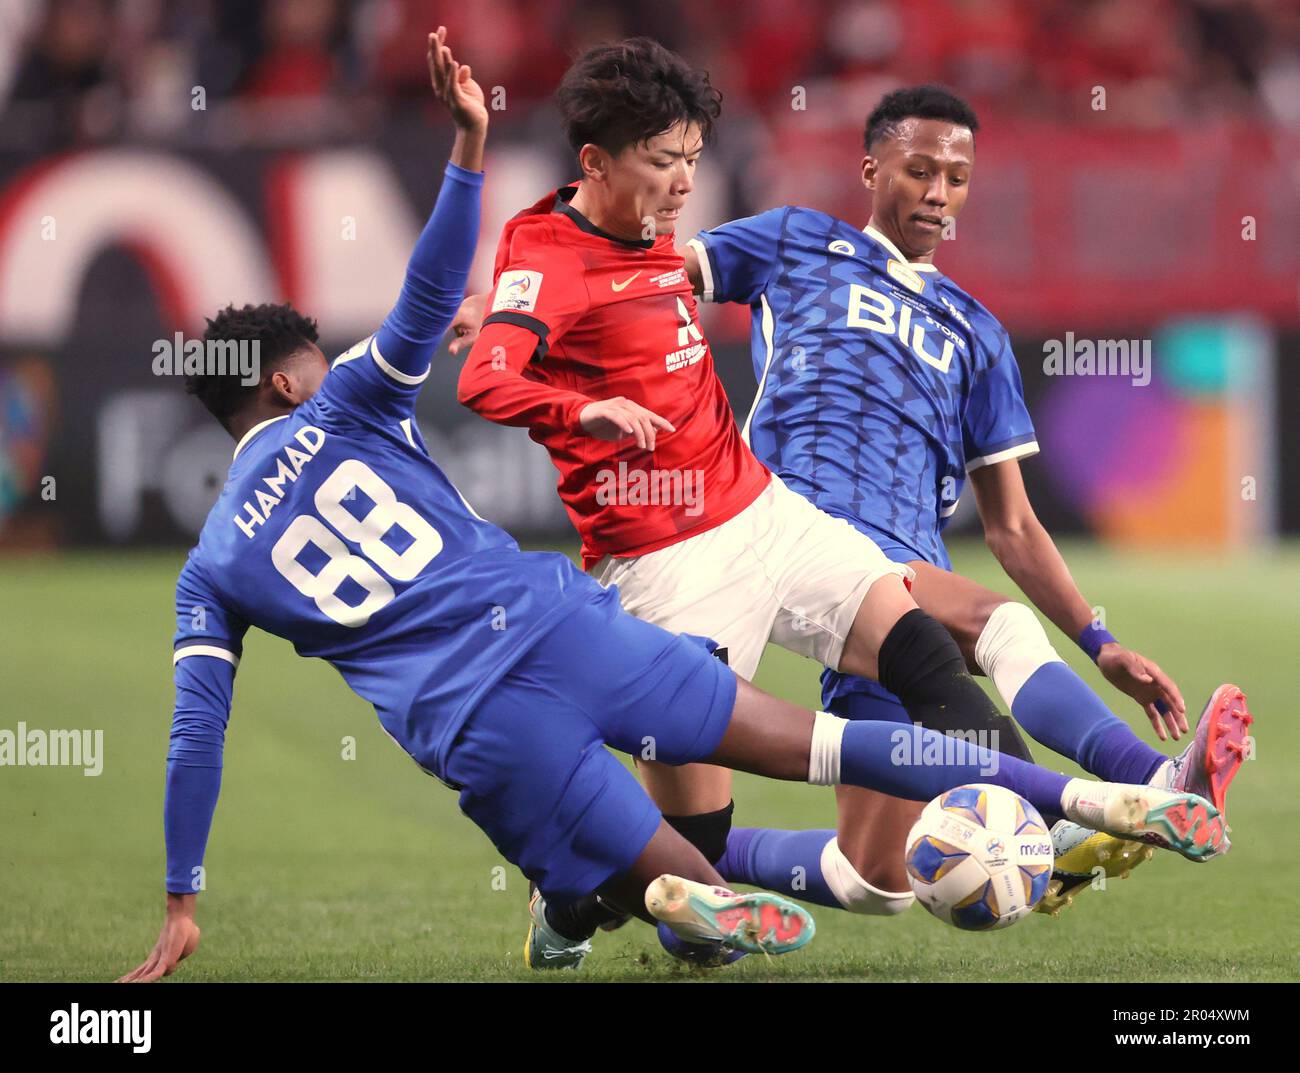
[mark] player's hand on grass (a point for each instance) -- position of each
(179, 939)
(612, 419)
(1146, 683)
(467, 322)
(455, 87)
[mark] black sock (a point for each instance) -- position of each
(578, 921)
(706, 831)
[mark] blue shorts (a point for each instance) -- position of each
(851, 697)
(531, 760)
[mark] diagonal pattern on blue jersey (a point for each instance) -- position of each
(337, 531)
(880, 382)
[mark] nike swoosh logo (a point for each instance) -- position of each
(621, 286)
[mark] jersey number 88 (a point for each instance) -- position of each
(366, 532)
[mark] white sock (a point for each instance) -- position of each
(1084, 801)
(1164, 776)
(1011, 647)
(853, 892)
(824, 751)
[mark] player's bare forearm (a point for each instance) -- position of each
(1032, 560)
(467, 151)
(1025, 549)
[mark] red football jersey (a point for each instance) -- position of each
(616, 317)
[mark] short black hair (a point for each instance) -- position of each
(280, 330)
(625, 93)
(917, 102)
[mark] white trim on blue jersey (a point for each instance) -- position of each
(395, 373)
(204, 650)
(767, 364)
(915, 266)
(253, 432)
(706, 269)
(1021, 450)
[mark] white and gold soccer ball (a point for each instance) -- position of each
(980, 857)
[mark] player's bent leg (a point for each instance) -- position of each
(1007, 642)
(812, 867)
(882, 608)
(864, 865)
(1006, 639)
(649, 693)
(962, 605)
(670, 883)
(695, 800)
(770, 737)
(536, 778)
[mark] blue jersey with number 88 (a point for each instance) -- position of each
(336, 531)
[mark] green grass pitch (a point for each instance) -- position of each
(325, 868)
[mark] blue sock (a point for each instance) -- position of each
(788, 862)
(921, 764)
(1057, 708)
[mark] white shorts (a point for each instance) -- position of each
(781, 570)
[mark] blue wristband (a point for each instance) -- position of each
(1092, 637)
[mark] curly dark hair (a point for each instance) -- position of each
(280, 330)
(917, 102)
(625, 93)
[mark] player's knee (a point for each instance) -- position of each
(973, 621)
(1012, 646)
(706, 831)
(917, 653)
(883, 892)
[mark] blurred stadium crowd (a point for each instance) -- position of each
(222, 144)
(84, 71)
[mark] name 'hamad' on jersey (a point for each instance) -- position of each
(881, 383)
(336, 531)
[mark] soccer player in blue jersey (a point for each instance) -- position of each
(883, 387)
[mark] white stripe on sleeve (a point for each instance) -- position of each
(204, 650)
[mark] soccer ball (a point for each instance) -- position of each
(979, 857)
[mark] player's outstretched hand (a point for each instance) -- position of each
(1146, 683)
(467, 322)
(455, 86)
(179, 939)
(612, 419)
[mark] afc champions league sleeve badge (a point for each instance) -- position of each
(517, 291)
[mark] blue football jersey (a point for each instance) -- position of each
(881, 383)
(336, 531)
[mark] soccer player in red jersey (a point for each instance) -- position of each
(591, 341)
